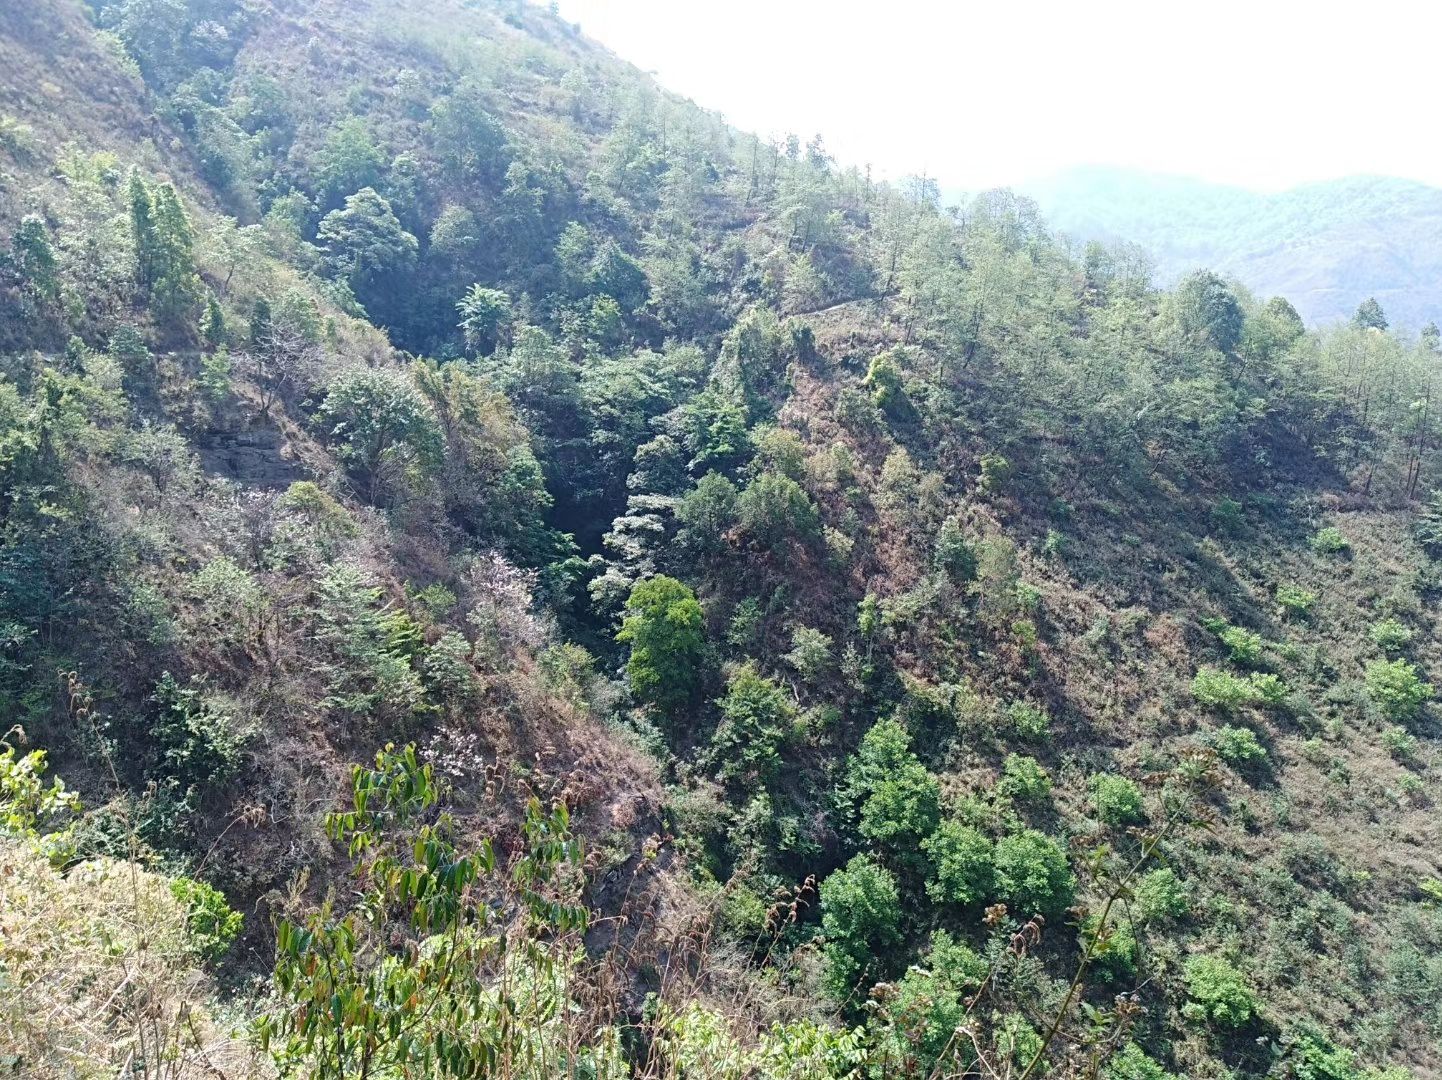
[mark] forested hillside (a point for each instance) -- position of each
(516, 578)
(1320, 245)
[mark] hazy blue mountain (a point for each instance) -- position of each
(1325, 246)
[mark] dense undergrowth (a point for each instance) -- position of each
(826, 633)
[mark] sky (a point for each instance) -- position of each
(1263, 94)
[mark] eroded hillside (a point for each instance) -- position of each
(908, 611)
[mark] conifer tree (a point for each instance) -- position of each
(142, 226)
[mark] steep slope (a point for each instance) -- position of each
(872, 588)
(1324, 246)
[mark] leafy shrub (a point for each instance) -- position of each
(211, 924)
(1227, 517)
(1218, 993)
(1032, 874)
(16, 139)
(1116, 949)
(569, 671)
(810, 652)
(1312, 1056)
(1243, 646)
(327, 517)
(995, 472)
(744, 629)
(1296, 601)
(369, 649)
(961, 864)
(434, 600)
(1222, 690)
(663, 627)
(1238, 746)
(1030, 722)
(1268, 689)
(1160, 894)
(1023, 779)
(1330, 541)
(929, 1002)
(231, 599)
(448, 673)
(953, 555)
(1390, 635)
(1015, 1042)
(883, 379)
(199, 741)
(1117, 800)
(1400, 743)
(1132, 1063)
(758, 719)
(1397, 689)
(861, 918)
(1026, 634)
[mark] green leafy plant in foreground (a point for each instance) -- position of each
(423, 974)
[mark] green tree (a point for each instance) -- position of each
(961, 864)
(1428, 526)
(175, 290)
(896, 801)
(164, 251)
(617, 275)
(716, 432)
(928, 1004)
(1208, 311)
(382, 427)
(707, 513)
(1032, 874)
(365, 242)
(861, 919)
(774, 507)
(953, 555)
(1369, 315)
(485, 316)
(663, 627)
(758, 718)
(350, 161)
(470, 142)
(810, 653)
(35, 257)
(212, 324)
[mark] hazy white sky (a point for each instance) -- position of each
(1263, 93)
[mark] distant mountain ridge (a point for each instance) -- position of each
(1325, 246)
